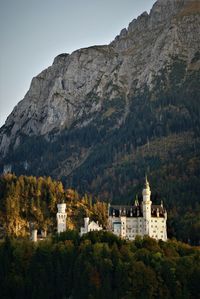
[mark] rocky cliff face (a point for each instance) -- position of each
(77, 107)
(60, 95)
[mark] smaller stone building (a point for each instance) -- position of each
(89, 226)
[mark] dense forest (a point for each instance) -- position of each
(98, 266)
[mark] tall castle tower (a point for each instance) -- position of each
(146, 206)
(61, 217)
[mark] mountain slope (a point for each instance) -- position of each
(101, 117)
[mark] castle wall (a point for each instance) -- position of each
(129, 228)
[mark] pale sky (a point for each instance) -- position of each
(33, 32)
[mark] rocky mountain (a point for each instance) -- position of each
(102, 116)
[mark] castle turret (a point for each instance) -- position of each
(61, 217)
(146, 193)
(86, 223)
(34, 235)
(146, 206)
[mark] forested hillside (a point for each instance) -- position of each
(25, 200)
(98, 266)
(30, 200)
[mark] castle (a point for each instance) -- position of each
(139, 220)
(127, 221)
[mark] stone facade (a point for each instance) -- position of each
(139, 219)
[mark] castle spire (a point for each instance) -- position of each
(146, 190)
(146, 185)
(136, 201)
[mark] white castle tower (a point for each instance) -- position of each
(86, 223)
(146, 206)
(61, 217)
(34, 235)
